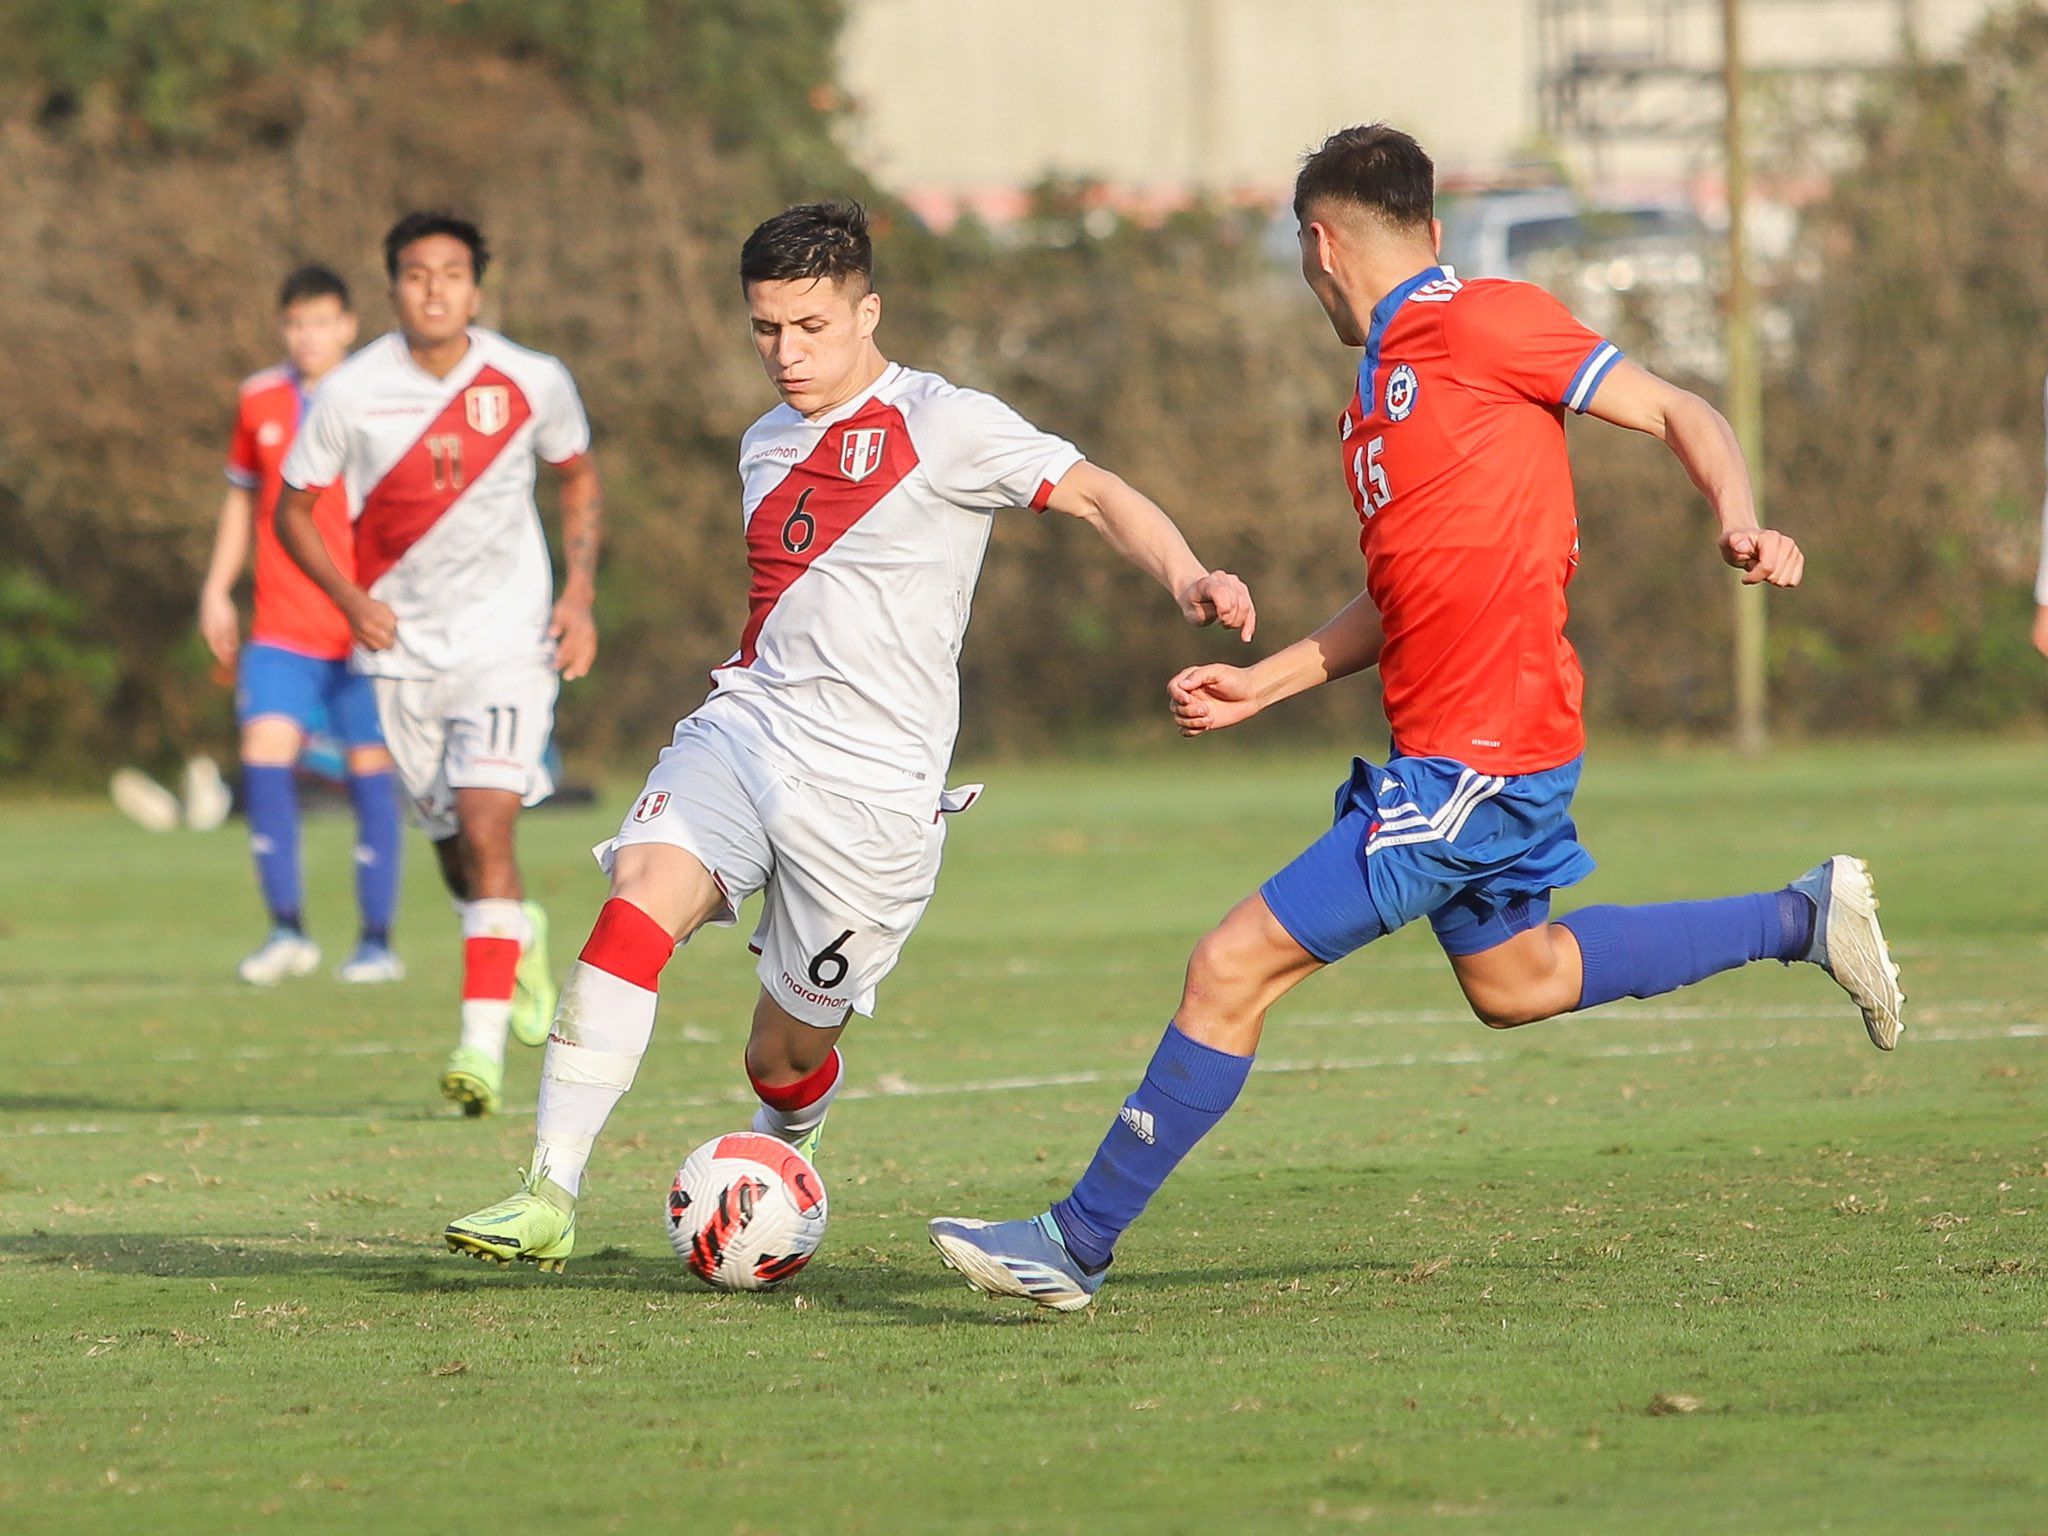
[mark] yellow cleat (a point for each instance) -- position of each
(536, 1226)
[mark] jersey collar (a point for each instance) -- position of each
(1382, 316)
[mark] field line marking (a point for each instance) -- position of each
(901, 1088)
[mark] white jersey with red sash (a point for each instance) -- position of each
(865, 534)
(439, 475)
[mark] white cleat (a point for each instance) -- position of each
(371, 965)
(283, 954)
(144, 801)
(1849, 945)
(207, 797)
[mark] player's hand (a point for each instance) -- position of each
(574, 632)
(1220, 598)
(1763, 554)
(220, 626)
(2041, 629)
(373, 624)
(1212, 698)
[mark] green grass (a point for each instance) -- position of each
(1424, 1276)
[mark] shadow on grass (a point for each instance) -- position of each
(911, 1294)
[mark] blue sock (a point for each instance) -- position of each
(1186, 1090)
(1648, 951)
(378, 855)
(270, 799)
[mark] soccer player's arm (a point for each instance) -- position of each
(317, 458)
(1139, 529)
(1213, 698)
(219, 625)
(1701, 439)
(1518, 341)
(984, 456)
(563, 441)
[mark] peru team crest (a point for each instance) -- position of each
(651, 805)
(487, 407)
(860, 454)
(1402, 388)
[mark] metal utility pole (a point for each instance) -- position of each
(1745, 391)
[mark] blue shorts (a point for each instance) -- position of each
(322, 696)
(1477, 854)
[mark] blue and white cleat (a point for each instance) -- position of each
(1849, 945)
(1025, 1259)
(285, 954)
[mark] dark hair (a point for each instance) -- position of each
(1375, 167)
(810, 240)
(312, 281)
(417, 226)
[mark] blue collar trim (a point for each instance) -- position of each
(1382, 315)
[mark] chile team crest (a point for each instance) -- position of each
(1402, 388)
(860, 452)
(487, 407)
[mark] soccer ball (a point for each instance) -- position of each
(746, 1211)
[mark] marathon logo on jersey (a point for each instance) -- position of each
(860, 454)
(487, 408)
(1402, 388)
(651, 805)
(270, 434)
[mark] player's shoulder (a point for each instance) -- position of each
(935, 403)
(1490, 305)
(278, 378)
(767, 427)
(503, 352)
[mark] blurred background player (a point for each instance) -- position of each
(1454, 455)
(293, 677)
(434, 430)
(816, 770)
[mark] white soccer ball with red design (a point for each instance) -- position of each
(746, 1211)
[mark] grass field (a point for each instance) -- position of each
(1426, 1276)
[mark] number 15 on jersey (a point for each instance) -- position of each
(1371, 477)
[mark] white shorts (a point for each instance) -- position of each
(845, 881)
(483, 726)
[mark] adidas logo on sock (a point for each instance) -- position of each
(1140, 1122)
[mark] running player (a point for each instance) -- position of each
(293, 678)
(1454, 453)
(434, 429)
(816, 771)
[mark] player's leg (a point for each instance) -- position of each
(373, 791)
(694, 817)
(851, 883)
(275, 699)
(1827, 917)
(795, 1069)
(660, 895)
(494, 934)
(1312, 913)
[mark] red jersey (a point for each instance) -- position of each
(1455, 455)
(290, 610)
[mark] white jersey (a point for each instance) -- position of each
(440, 479)
(865, 533)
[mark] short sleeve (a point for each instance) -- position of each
(982, 455)
(244, 469)
(561, 429)
(1523, 342)
(319, 451)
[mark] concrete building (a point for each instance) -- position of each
(967, 101)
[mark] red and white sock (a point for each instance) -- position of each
(602, 1028)
(493, 932)
(793, 1110)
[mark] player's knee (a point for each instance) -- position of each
(1227, 969)
(368, 760)
(1510, 1007)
